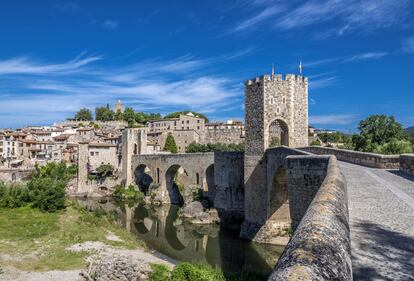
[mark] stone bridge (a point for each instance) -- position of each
(219, 175)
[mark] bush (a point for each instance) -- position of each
(13, 196)
(215, 147)
(45, 190)
(315, 142)
(395, 147)
(105, 170)
(159, 273)
(196, 272)
(128, 194)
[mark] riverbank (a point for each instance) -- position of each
(36, 245)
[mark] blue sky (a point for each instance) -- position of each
(162, 56)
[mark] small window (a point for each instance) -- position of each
(198, 127)
(96, 153)
(92, 153)
(278, 110)
(188, 121)
(284, 100)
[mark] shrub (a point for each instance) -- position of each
(196, 272)
(13, 196)
(128, 194)
(215, 147)
(105, 170)
(315, 142)
(47, 186)
(159, 272)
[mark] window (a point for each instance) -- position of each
(277, 110)
(284, 100)
(198, 120)
(92, 153)
(198, 127)
(188, 121)
(182, 122)
(96, 153)
(197, 178)
(188, 128)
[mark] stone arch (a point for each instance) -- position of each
(176, 179)
(209, 186)
(142, 222)
(278, 133)
(279, 202)
(143, 178)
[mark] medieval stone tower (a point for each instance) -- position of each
(276, 110)
(276, 113)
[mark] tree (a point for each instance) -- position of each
(118, 116)
(381, 134)
(83, 114)
(178, 113)
(170, 144)
(104, 113)
(380, 129)
(215, 147)
(129, 116)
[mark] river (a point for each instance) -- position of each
(164, 232)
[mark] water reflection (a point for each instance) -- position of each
(162, 230)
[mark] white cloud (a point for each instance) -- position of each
(110, 24)
(323, 82)
(335, 119)
(344, 59)
(408, 45)
(25, 65)
(58, 89)
(367, 56)
(343, 16)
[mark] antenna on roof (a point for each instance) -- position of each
(273, 71)
(300, 67)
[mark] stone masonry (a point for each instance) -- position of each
(269, 99)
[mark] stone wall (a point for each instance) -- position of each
(407, 163)
(222, 135)
(258, 189)
(372, 160)
(14, 175)
(229, 187)
(320, 248)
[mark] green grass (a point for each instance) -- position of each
(37, 240)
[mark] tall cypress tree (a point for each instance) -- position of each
(170, 144)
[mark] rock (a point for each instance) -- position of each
(116, 267)
(193, 209)
(194, 213)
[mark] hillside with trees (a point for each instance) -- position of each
(410, 130)
(381, 134)
(178, 113)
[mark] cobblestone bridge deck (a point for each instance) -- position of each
(381, 211)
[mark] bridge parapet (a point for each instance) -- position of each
(407, 163)
(372, 160)
(320, 248)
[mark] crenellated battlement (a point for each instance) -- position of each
(277, 77)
